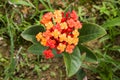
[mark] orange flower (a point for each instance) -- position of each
(71, 23)
(75, 41)
(57, 20)
(73, 15)
(51, 43)
(70, 48)
(61, 47)
(69, 39)
(61, 32)
(75, 33)
(44, 21)
(43, 41)
(57, 13)
(55, 33)
(46, 18)
(49, 25)
(39, 36)
(62, 37)
(78, 25)
(57, 26)
(47, 34)
(64, 25)
(57, 16)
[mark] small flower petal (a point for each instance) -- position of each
(46, 18)
(49, 25)
(73, 15)
(56, 33)
(69, 39)
(75, 33)
(62, 37)
(57, 16)
(39, 36)
(48, 54)
(47, 34)
(71, 23)
(43, 41)
(64, 25)
(75, 41)
(51, 43)
(61, 47)
(78, 25)
(70, 48)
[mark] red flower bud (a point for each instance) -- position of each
(48, 54)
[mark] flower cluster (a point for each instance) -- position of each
(61, 32)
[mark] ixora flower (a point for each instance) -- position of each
(61, 32)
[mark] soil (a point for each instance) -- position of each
(53, 69)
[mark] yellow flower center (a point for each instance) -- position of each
(64, 25)
(43, 41)
(75, 41)
(39, 36)
(58, 16)
(69, 39)
(49, 25)
(62, 37)
(61, 47)
(75, 33)
(56, 33)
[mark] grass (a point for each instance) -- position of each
(16, 16)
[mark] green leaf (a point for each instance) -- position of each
(36, 49)
(30, 33)
(80, 74)
(22, 2)
(116, 77)
(44, 4)
(83, 57)
(68, 8)
(115, 48)
(112, 23)
(90, 57)
(12, 65)
(91, 31)
(72, 62)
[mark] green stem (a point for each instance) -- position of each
(42, 1)
(11, 68)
